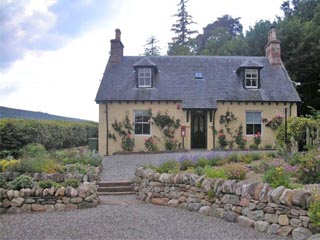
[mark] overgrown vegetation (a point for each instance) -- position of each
(36, 159)
(303, 168)
(17, 133)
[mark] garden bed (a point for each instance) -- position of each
(45, 181)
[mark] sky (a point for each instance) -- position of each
(53, 53)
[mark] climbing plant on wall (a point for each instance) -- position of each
(225, 120)
(123, 129)
(167, 126)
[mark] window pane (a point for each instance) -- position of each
(145, 119)
(147, 82)
(257, 128)
(257, 117)
(146, 129)
(249, 117)
(253, 82)
(138, 118)
(250, 129)
(138, 128)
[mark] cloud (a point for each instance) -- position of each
(33, 25)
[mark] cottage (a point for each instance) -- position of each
(192, 102)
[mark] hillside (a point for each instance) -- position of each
(6, 112)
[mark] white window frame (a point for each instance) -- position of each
(255, 123)
(143, 113)
(249, 76)
(144, 74)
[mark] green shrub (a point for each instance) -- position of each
(71, 182)
(234, 157)
(33, 150)
(215, 161)
(48, 184)
(262, 167)
(267, 146)
(16, 133)
(3, 181)
(185, 164)
(202, 162)
(256, 156)
(168, 167)
(235, 171)
(198, 170)
(246, 158)
(253, 146)
(211, 194)
(22, 181)
(9, 165)
(74, 168)
(277, 176)
(314, 210)
(213, 172)
(309, 167)
(271, 154)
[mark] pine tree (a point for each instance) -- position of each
(181, 42)
(151, 49)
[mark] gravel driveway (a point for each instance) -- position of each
(124, 217)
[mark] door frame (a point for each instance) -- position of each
(203, 113)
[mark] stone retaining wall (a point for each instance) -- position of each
(49, 199)
(278, 211)
(56, 177)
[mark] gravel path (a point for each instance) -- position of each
(123, 217)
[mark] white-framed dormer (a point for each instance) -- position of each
(249, 72)
(251, 78)
(145, 73)
(144, 77)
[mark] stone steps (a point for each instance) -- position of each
(115, 188)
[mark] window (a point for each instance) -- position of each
(144, 77)
(251, 78)
(141, 123)
(253, 122)
(198, 75)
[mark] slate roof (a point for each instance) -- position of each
(175, 81)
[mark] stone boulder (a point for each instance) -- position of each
(245, 222)
(276, 194)
(160, 201)
(205, 210)
(301, 233)
(261, 226)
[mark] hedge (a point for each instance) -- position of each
(53, 134)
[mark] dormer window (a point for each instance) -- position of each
(251, 78)
(144, 77)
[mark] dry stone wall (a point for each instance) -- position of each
(278, 211)
(48, 199)
(56, 177)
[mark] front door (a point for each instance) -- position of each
(199, 129)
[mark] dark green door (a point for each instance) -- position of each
(198, 130)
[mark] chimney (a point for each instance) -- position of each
(273, 50)
(116, 52)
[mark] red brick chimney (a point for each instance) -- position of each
(116, 52)
(273, 50)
